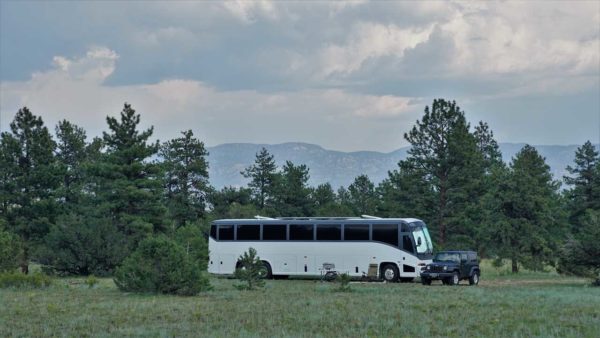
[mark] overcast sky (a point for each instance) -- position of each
(344, 75)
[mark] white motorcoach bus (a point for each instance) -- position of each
(396, 247)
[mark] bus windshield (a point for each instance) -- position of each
(421, 234)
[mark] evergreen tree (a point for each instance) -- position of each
(323, 195)
(584, 180)
(71, 154)
(186, 178)
(446, 152)
(363, 199)
(129, 187)
(292, 194)
(405, 193)
(28, 192)
(230, 202)
(487, 145)
(525, 212)
(262, 176)
(581, 253)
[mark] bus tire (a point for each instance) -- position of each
(389, 273)
(268, 272)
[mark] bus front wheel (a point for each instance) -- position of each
(266, 272)
(389, 273)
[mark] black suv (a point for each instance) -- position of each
(451, 267)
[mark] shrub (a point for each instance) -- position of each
(250, 270)
(10, 249)
(91, 281)
(343, 280)
(79, 245)
(20, 280)
(581, 254)
(191, 238)
(160, 265)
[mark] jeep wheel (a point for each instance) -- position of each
(389, 273)
(474, 279)
(425, 281)
(455, 279)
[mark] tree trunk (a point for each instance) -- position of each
(442, 211)
(24, 262)
(515, 267)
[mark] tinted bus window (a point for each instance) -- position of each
(386, 233)
(274, 232)
(301, 232)
(356, 232)
(407, 244)
(248, 232)
(329, 232)
(226, 232)
(213, 231)
(404, 227)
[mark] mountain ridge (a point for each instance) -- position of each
(340, 168)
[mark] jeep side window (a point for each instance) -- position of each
(463, 257)
(472, 257)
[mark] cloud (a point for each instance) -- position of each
(97, 65)
(370, 41)
(250, 11)
(75, 89)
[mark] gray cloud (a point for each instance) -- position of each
(347, 75)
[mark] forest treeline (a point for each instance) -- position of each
(81, 206)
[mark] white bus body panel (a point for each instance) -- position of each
(306, 258)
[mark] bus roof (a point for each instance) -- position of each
(281, 220)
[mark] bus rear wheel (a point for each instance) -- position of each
(389, 273)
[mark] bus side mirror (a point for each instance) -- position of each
(419, 242)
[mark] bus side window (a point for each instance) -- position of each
(356, 232)
(301, 232)
(274, 232)
(226, 232)
(386, 233)
(407, 244)
(248, 232)
(329, 232)
(213, 231)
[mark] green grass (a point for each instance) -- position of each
(531, 305)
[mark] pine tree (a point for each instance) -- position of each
(231, 202)
(446, 152)
(127, 185)
(292, 193)
(71, 154)
(405, 192)
(487, 145)
(186, 178)
(526, 219)
(262, 175)
(362, 196)
(28, 192)
(584, 179)
(581, 253)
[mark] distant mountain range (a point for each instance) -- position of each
(340, 168)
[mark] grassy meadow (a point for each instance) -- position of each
(503, 305)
